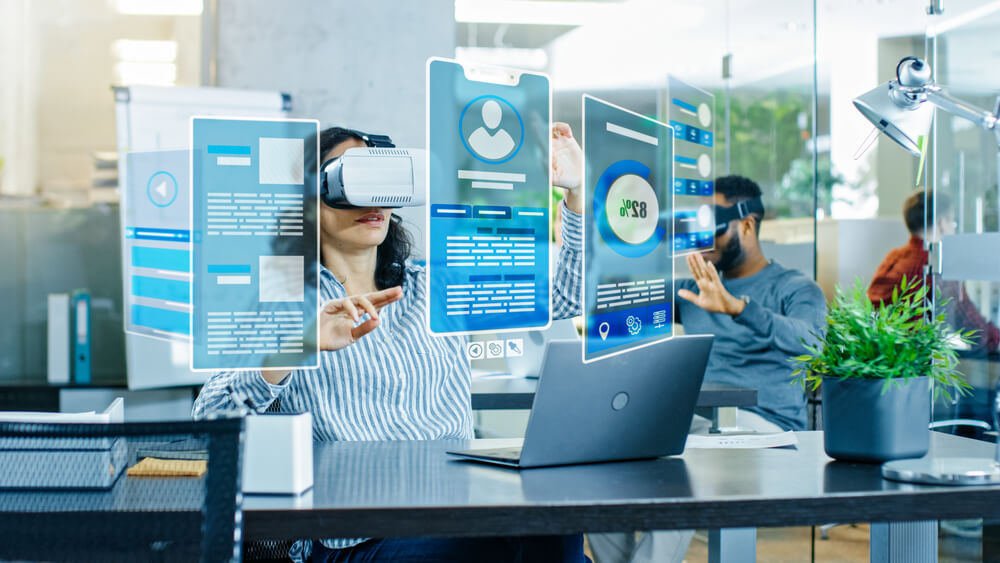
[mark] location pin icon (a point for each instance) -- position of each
(603, 329)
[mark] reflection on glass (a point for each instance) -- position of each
(965, 167)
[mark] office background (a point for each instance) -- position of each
(782, 72)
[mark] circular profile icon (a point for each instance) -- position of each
(491, 129)
(161, 189)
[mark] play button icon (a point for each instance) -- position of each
(162, 188)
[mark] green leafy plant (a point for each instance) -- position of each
(894, 342)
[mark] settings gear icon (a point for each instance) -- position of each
(634, 325)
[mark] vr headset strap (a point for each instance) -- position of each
(723, 215)
(373, 141)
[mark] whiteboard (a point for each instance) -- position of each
(152, 118)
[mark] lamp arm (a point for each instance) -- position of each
(940, 98)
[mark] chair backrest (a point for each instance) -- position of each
(65, 496)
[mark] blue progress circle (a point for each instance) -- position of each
(610, 174)
(461, 120)
(149, 186)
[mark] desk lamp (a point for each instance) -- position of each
(899, 109)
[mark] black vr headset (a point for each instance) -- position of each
(379, 175)
(723, 215)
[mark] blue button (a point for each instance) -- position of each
(658, 319)
(603, 332)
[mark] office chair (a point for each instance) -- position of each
(138, 518)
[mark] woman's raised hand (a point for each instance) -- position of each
(338, 317)
(567, 157)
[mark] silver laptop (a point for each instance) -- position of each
(636, 405)
(529, 362)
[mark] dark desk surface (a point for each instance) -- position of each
(414, 488)
(712, 395)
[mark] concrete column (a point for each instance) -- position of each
(355, 64)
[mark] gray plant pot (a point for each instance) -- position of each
(862, 424)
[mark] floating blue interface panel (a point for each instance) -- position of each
(488, 201)
(628, 260)
(254, 263)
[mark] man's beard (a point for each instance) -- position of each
(731, 256)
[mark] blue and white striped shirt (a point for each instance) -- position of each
(398, 382)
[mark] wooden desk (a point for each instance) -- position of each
(401, 489)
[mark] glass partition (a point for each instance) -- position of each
(964, 167)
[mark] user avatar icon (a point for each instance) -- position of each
(495, 145)
(491, 129)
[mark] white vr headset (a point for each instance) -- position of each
(379, 175)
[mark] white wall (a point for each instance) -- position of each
(354, 64)
(56, 73)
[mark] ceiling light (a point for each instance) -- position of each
(150, 74)
(532, 59)
(133, 50)
(533, 12)
(963, 19)
(159, 7)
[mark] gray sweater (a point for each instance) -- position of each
(753, 348)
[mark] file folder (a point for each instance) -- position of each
(81, 337)
(58, 343)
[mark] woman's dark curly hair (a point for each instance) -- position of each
(390, 260)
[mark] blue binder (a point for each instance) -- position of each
(81, 337)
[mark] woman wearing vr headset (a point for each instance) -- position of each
(382, 375)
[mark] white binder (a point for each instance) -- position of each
(58, 347)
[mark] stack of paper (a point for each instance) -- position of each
(62, 463)
(749, 440)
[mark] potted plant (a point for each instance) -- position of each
(878, 366)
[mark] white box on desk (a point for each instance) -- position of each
(278, 454)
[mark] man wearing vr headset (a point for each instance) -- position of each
(758, 310)
(382, 375)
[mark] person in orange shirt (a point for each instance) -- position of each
(910, 261)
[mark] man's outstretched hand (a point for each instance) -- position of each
(712, 296)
